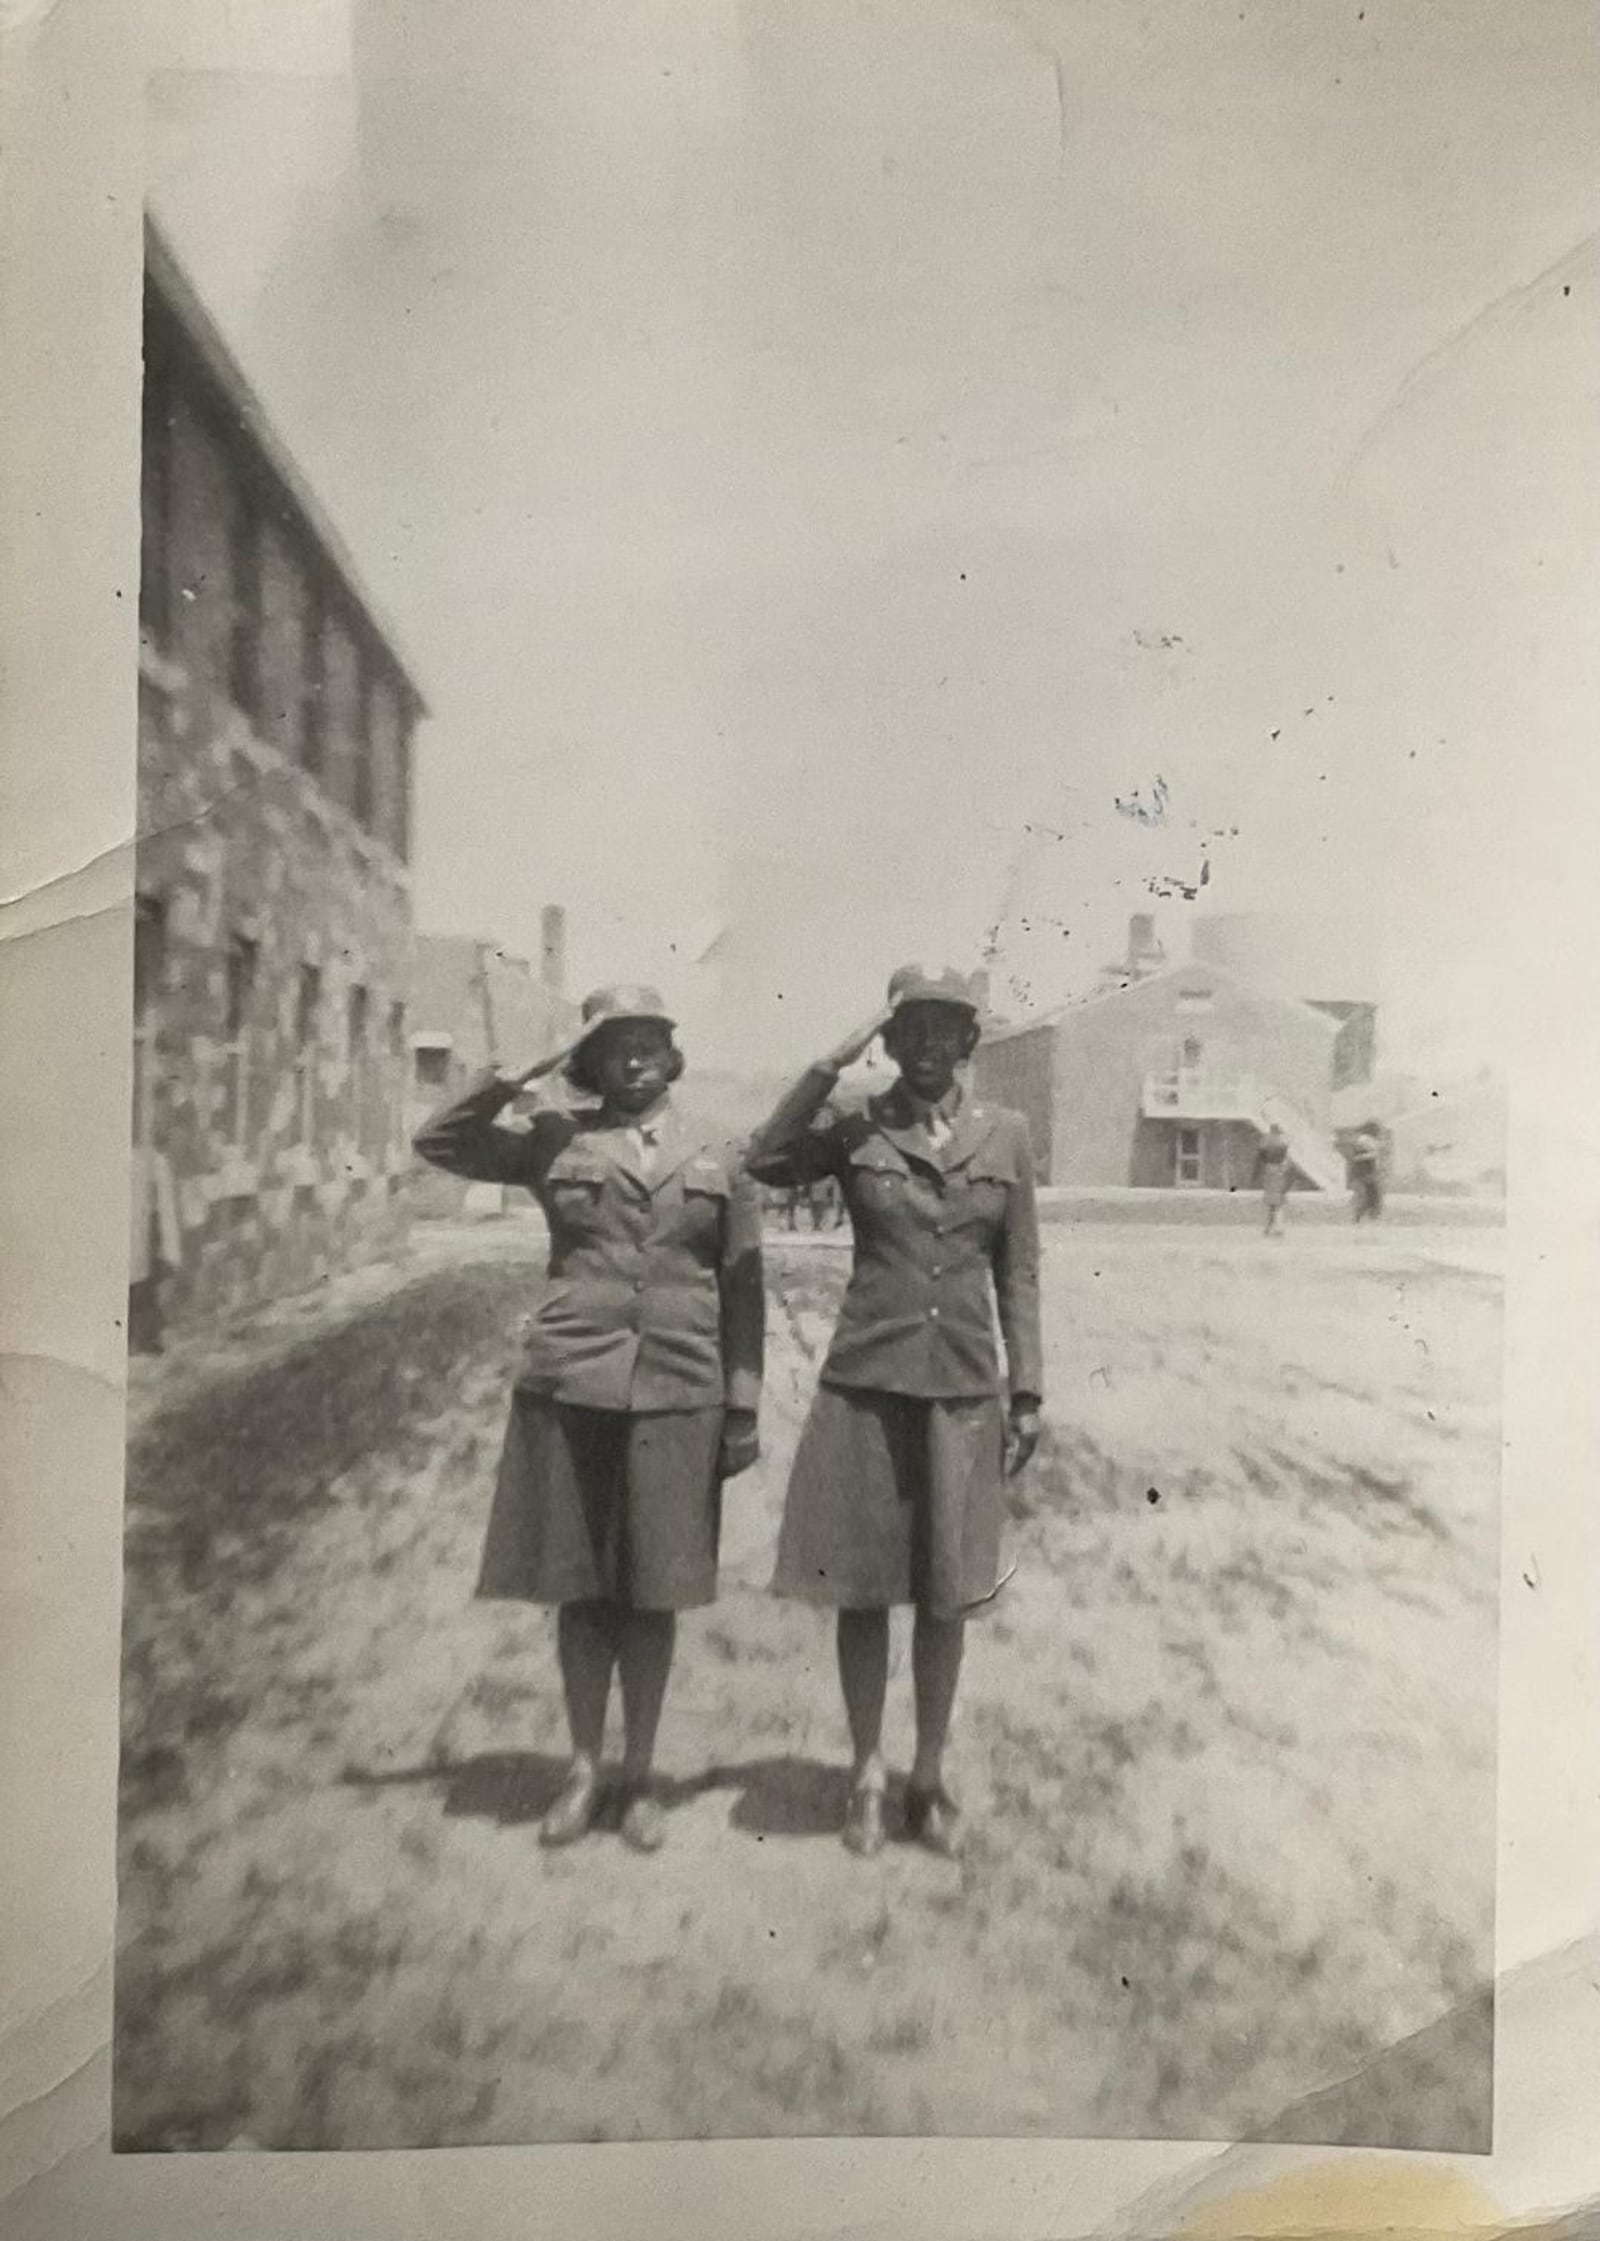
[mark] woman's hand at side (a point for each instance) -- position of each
(1023, 1428)
(741, 1442)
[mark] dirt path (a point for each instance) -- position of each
(1226, 1744)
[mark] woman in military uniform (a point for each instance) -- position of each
(639, 1391)
(897, 1492)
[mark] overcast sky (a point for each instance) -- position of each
(822, 455)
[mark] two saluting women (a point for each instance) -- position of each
(639, 1390)
(897, 1492)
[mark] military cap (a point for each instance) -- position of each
(625, 1000)
(936, 984)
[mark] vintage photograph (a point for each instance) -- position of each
(820, 1109)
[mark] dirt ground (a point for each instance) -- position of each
(1226, 1742)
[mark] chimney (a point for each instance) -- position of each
(553, 948)
(1143, 948)
(980, 993)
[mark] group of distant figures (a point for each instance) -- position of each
(1364, 1166)
(823, 1202)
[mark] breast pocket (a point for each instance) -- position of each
(982, 1195)
(876, 1182)
(573, 1190)
(706, 1191)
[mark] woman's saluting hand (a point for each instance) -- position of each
(540, 1067)
(856, 1044)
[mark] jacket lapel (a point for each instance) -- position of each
(894, 1118)
(673, 1147)
(974, 1125)
(971, 1125)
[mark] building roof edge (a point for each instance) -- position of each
(165, 269)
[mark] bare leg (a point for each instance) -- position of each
(644, 1660)
(586, 1645)
(863, 1641)
(936, 1646)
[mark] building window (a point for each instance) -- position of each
(149, 964)
(431, 1065)
(243, 960)
(201, 549)
(361, 786)
(313, 684)
(1195, 999)
(394, 1082)
(284, 647)
(341, 709)
(384, 751)
(357, 1005)
(400, 838)
(1187, 1168)
(244, 645)
(307, 1035)
(155, 509)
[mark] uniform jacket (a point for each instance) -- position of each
(941, 1236)
(654, 1299)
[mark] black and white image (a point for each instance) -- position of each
(820, 1106)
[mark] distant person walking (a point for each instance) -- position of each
(639, 1392)
(1366, 1174)
(1272, 1178)
(897, 1491)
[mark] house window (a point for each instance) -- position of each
(201, 501)
(243, 959)
(149, 958)
(394, 1081)
(1187, 1167)
(432, 1065)
(307, 1030)
(1194, 999)
(361, 787)
(385, 752)
(244, 645)
(284, 650)
(155, 508)
(341, 708)
(358, 1017)
(313, 684)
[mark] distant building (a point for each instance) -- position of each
(474, 1006)
(273, 930)
(1169, 1079)
(1286, 953)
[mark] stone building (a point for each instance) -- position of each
(273, 945)
(1170, 1078)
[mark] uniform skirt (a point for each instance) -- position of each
(894, 1500)
(603, 1505)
